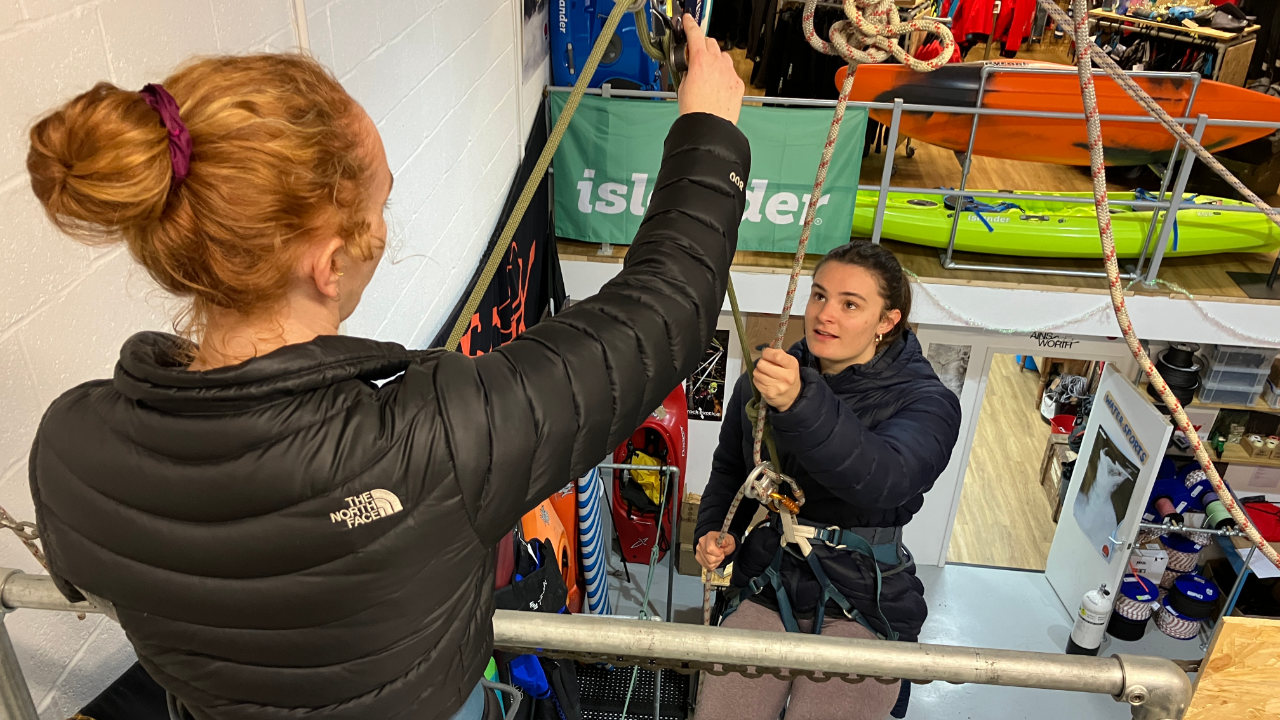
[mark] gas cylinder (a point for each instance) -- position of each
(1091, 622)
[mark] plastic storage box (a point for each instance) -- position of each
(1234, 375)
(1219, 375)
(1228, 395)
(1245, 358)
(1271, 395)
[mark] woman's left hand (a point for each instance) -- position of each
(777, 377)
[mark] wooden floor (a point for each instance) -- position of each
(1204, 277)
(1005, 519)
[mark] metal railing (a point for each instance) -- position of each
(1155, 688)
(1165, 207)
(670, 488)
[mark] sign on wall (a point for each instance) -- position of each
(606, 166)
(1124, 441)
(705, 387)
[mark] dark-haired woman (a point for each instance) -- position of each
(865, 427)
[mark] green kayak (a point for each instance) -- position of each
(1038, 228)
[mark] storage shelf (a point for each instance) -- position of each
(1236, 455)
(1257, 406)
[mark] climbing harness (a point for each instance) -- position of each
(879, 546)
(869, 36)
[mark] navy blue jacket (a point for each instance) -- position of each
(865, 445)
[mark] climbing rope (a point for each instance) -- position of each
(463, 320)
(868, 35)
(1084, 48)
(877, 27)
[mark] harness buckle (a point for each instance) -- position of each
(831, 535)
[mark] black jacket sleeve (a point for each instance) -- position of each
(552, 403)
(880, 468)
(728, 471)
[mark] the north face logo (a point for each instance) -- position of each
(367, 507)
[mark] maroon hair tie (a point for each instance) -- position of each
(179, 139)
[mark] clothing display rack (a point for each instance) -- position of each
(1007, 24)
(1231, 51)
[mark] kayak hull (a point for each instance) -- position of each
(1065, 230)
(664, 436)
(1051, 140)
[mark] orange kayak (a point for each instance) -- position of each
(1053, 140)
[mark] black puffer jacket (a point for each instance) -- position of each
(865, 445)
(294, 537)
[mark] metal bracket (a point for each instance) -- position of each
(1159, 695)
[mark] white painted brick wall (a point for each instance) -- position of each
(443, 81)
(67, 307)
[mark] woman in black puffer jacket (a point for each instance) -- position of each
(865, 427)
(290, 522)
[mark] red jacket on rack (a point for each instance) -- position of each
(973, 17)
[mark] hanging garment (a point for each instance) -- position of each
(1014, 23)
(970, 17)
(731, 24)
(760, 34)
(1039, 23)
(973, 18)
(792, 68)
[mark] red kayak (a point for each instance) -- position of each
(663, 439)
(1052, 140)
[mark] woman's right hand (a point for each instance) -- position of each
(712, 84)
(711, 554)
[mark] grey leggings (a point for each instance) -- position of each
(733, 697)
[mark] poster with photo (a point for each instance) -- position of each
(533, 41)
(1105, 491)
(705, 387)
(1124, 440)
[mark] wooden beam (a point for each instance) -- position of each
(1237, 679)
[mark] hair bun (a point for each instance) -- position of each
(100, 164)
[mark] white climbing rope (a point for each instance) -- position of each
(1084, 49)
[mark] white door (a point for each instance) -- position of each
(1124, 442)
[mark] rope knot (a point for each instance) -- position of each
(870, 34)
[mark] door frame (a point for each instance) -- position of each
(930, 546)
